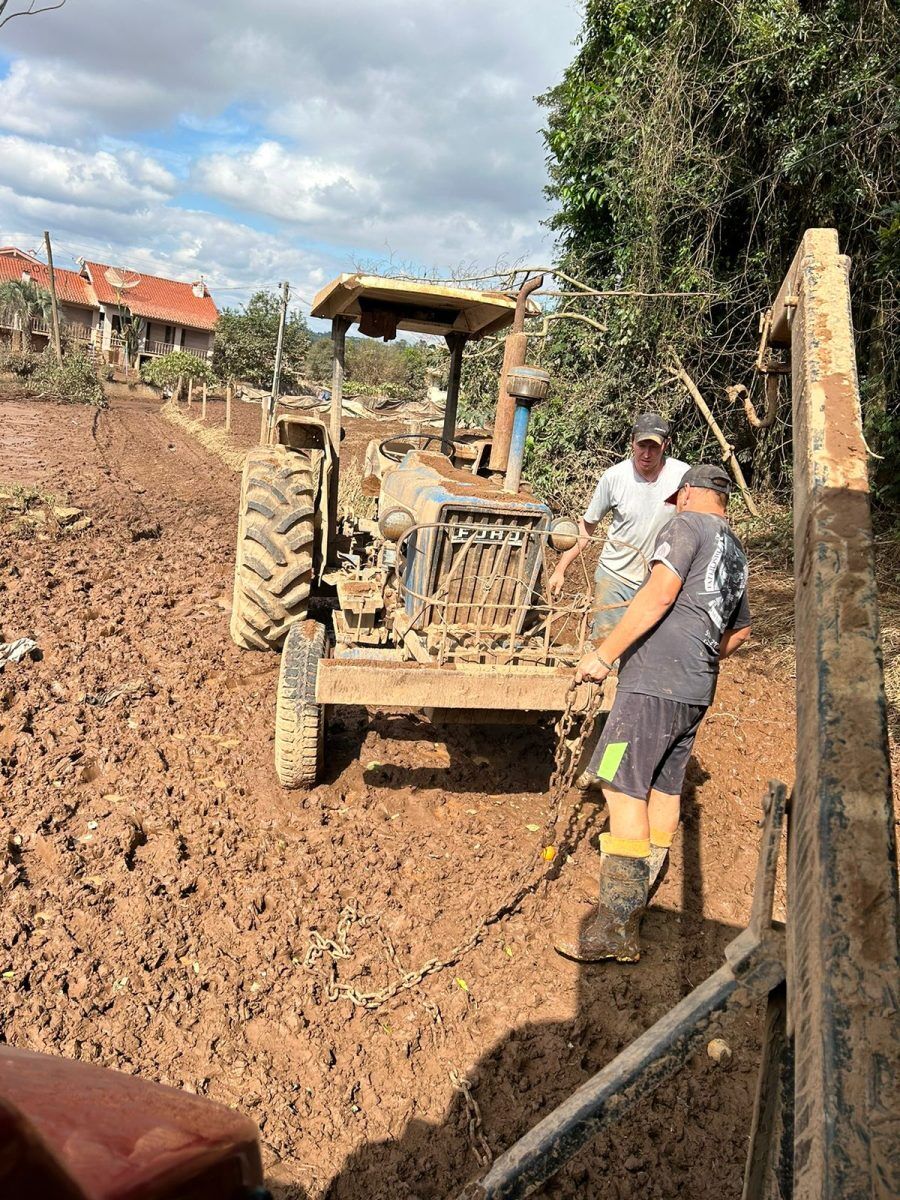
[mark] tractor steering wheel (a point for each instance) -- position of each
(395, 448)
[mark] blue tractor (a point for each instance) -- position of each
(436, 603)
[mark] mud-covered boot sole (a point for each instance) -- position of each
(584, 954)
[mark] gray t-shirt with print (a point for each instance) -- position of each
(679, 658)
(639, 511)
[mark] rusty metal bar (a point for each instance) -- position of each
(514, 351)
(456, 344)
(339, 327)
(419, 685)
(843, 911)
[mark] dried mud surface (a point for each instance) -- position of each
(160, 891)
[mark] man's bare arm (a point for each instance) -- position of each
(732, 640)
(585, 532)
(645, 611)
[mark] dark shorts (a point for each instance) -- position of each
(646, 744)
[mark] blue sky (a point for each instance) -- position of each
(283, 139)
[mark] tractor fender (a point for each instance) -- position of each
(307, 432)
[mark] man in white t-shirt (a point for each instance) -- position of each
(635, 492)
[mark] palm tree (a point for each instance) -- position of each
(23, 301)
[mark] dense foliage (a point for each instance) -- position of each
(75, 382)
(165, 371)
(690, 144)
(401, 369)
(23, 301)
(246, 339)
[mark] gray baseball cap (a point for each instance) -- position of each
(705, 475)
(650, 425)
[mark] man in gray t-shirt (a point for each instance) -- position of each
(690, 613)
(634, 492)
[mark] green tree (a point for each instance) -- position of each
(318, 363)
(23, 301)
(246, 339)
(690, 144)
(165, 371)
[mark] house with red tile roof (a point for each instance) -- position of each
(78, 308)
(97, 301)
(171, 315)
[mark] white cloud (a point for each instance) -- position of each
(294, 187)
(392, 130)
(164, 239)
(98, 179)
(39, 96)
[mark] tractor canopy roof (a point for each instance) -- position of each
(382, 306)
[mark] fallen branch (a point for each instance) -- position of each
(768, 419)
(565, 315)
(728, 454)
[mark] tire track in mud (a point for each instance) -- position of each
(159, 908)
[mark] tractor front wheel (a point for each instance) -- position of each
(299, 720)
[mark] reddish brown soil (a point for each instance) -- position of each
(160, 889)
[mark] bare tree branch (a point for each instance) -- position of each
(30, 11)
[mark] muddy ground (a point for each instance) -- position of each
(161, 892)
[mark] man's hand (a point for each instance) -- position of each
(591, 667)
(555, 584)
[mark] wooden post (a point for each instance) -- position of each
(203, 403)
(178, 389)
(263, 421)
(54, 307)
(229, 389)
(728, 454)
(190, 392)
(456, 343)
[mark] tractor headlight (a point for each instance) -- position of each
(394, 523)
(563, 534)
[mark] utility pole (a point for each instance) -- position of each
(276, 377)
(54, 307)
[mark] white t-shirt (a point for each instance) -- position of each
(639, 512)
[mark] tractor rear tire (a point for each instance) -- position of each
(274, 561)
(299, 720)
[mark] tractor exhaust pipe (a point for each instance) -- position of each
(513, 357)
(526, 385)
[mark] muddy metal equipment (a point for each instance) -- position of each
(826, 1124)
(71, 1130)
(438, 602)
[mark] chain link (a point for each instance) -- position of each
(569, 748)
(480, 1145)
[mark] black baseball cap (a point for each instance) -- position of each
(706, 475)
(650, 425)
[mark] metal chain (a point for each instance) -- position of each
(480, 1145)
(569, 747)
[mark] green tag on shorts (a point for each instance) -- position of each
(611, 761)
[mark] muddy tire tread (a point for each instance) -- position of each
(299, 720)
(274, 559)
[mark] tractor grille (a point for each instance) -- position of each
(481, 567)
